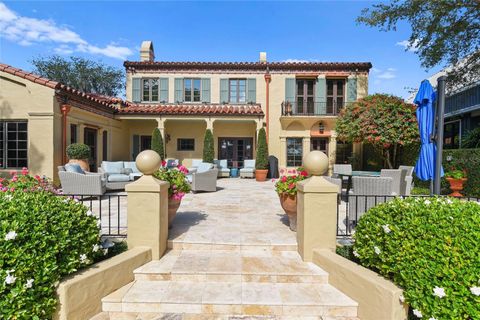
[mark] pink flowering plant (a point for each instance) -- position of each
(27, 183)
(177, 177)
(288, 183)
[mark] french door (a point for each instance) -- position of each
(305, 96)
(335, 95)
(235, 150)
(320, 144)
(90, 139)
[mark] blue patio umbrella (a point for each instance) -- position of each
(425, 99)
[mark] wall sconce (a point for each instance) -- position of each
(167, 138)
(321, 127)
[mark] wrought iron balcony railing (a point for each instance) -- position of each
(312, 108)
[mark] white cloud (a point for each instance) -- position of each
(300, 60)
(27, 31)
(386, 74)
(406, 45)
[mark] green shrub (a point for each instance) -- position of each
(208, 147)
(427, 246)
(468, 160)
(157, 143)
(471, 139)
(43, 237)
(261, 162)
(419, 191)
(78, 151)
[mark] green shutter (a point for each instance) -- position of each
(290, 90)
(178, 90)
(251, 90)
(163, 94)
(351, 89)
(320, 96)
(135, 146)
(224, 91)
(136, 89)
(206, 90)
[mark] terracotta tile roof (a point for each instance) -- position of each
(279, 66)
(29, 76)
(193, 109)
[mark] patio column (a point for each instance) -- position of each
(332, 151)
(147, 208)
(282, 160)
(316, 208)
(161, 127)
(210, 123)
(306, 146)
(65, 109)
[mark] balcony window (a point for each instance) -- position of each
(13, 144)
(335, 95)
(192, 90)
(294, 152)
(237, 90)
(150, 90)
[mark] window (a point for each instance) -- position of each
(305, 96)
(320, 144)
(13, 144)
(335, 95)
(185, 144)
(191, 91)
(237, 90)
(344, 152)
(150, 90)
(145, 143)
(105, 145)
(294, 152)
(451, 135)
(73, 133)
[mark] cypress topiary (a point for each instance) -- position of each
(157, 143)
(261, 163)
(208, 148)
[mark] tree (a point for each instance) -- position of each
(386, 122)
(82, 74)
(261, 162)
(208, 148)
(443, 32)
(157, 143)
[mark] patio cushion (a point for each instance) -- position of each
(135, 174)
(221, 163)
(117, 177)
(249, 163)
(204, 166)
(112, 166)
(247, 170)
(172, 163)
(73, 167)
(224, 170)
(196, 162)
(131, 165)
(126, 171)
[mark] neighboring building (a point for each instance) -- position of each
(297, 103)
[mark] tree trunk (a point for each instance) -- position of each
(387, 158)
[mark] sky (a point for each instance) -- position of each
(112, 31)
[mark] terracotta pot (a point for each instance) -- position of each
(83, 163)
(289, 205)
(173, 206)
(456, 185)
(261, 175)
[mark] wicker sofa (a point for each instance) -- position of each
(119, 173)
(81, 184)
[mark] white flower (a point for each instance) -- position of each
(66, 200)
(475, 290)
(356, 254)
(10, 279)
(99, 223)
(105, 251)
(29, 283)
(432, 318)
(8, 197)
(377, 250)
(401, 298)
(417, 313)
(10, 236)
(95, 247)
(427, 202)
(89, 213)
(83, 258)
(439, 292)
(386, 228)
(449, 201)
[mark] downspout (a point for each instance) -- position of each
(268, 78)
(65, 108)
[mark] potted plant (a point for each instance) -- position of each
(286, 188)
(179, 186)
(79, 153)
(261, 162)
(456, 179)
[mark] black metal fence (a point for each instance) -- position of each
(110, 210)
(312, 108)
(352, 207)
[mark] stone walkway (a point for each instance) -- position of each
(232, 256)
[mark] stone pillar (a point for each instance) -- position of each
(305, 146)
(332, 150)
(147, 210)
(316, 208)
(161, 127)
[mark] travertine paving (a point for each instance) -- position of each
(232, 256)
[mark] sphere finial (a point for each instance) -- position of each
(316, 163)
(148, 162)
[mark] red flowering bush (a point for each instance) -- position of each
(288, 183)
(27, 183)
(386, 122)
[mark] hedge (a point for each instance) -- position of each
(468, 160)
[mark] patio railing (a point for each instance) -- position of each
(110, 210)
(352, 207)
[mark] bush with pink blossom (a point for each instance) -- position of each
(177, 177)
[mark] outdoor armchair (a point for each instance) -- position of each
(397, 176)
(223, 170)
(248, 170)
(194, 166)
(407, 183)
(91, 184)
(343, 171)
(204, 181)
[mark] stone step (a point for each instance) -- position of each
(230, 298)
(232, 266)
(185, 245)
(183, 316)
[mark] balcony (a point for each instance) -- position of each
(325, 108)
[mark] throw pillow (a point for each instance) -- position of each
(73, 167)
(126, 171)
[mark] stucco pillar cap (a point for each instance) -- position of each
(148, 162)
(316, 163)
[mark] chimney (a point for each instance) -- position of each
(263, 57)
(146, 51)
